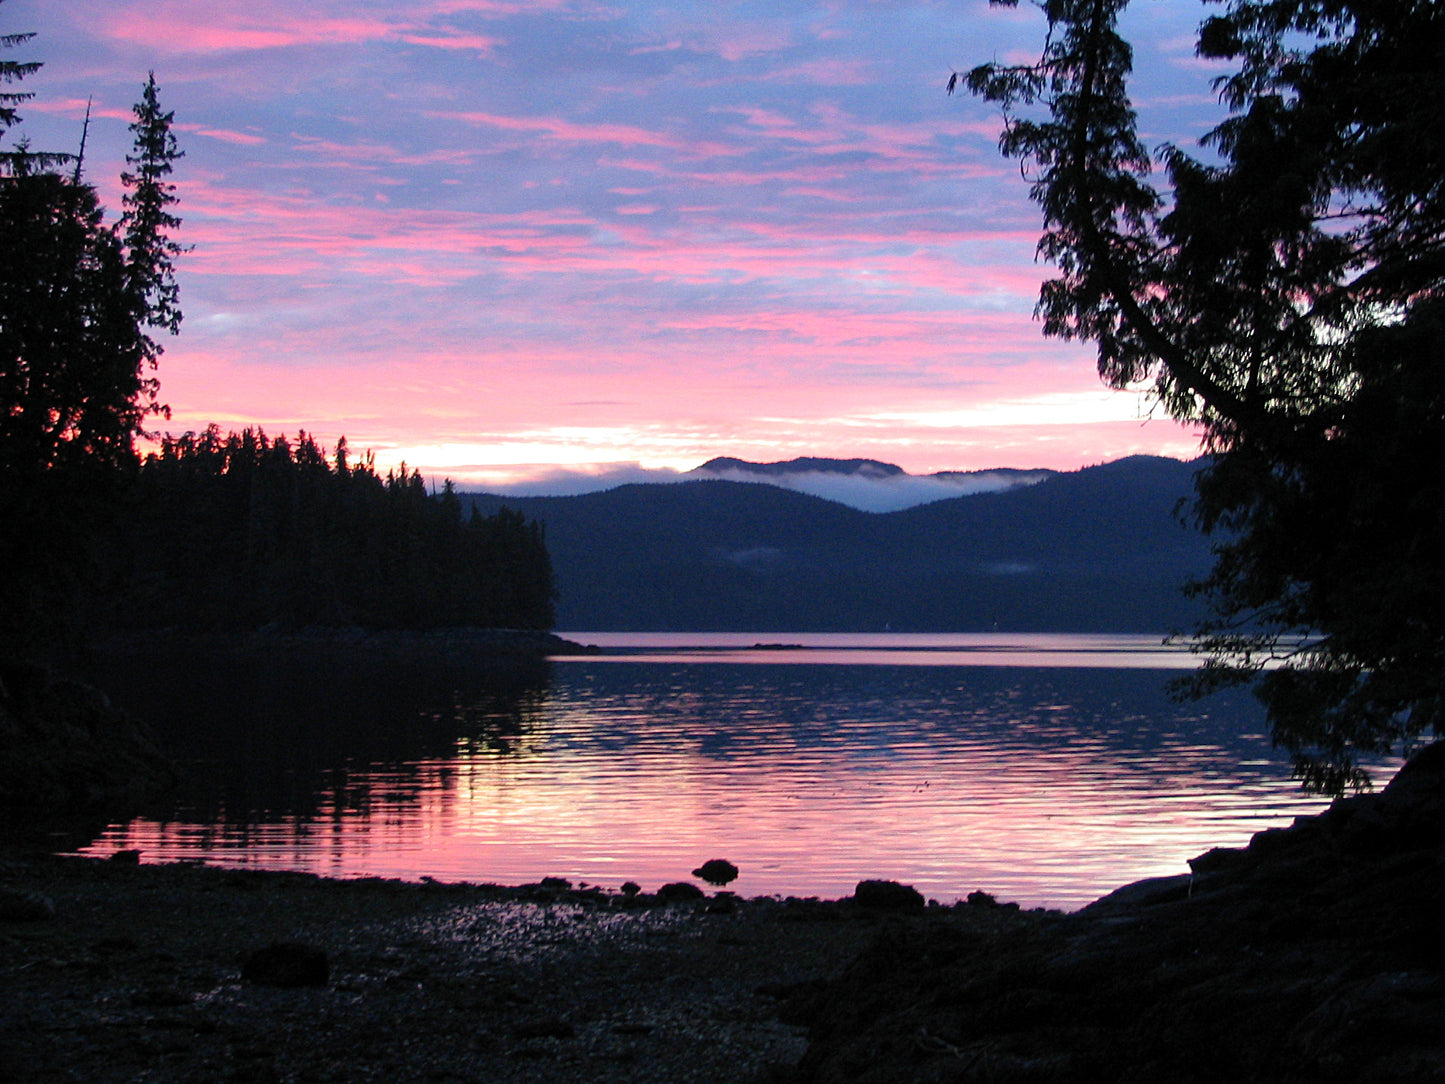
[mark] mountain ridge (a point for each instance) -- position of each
(1097, 550)
(801, 465)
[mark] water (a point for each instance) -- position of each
(1042, 769)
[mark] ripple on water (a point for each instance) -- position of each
(1047, 785)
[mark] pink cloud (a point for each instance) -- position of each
(244, 139)
(476, 42)
(650, 225)
(199, 26)
(832, 131)
(245, 232)
(662, 47)
(365, 152)
(567, 131)
(743, 41)
(832, 72)
(809, 172)
(185, 28)
(76, 108)
(492, 7)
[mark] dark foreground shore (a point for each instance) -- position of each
(141, 974)
(1317, 954)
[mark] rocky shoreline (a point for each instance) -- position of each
(111, 970)
(1315, 954)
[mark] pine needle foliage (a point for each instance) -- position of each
(1283, 290)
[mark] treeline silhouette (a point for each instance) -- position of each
(242, 531)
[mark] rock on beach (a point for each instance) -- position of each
(717, 871)
(287, 964)
(886, 895)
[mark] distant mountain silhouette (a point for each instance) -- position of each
(1091, 550)
(801, 465)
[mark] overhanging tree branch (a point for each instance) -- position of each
(1291, 298)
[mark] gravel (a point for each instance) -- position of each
(133, 972)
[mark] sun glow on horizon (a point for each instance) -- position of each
(783, 240)
(1021, 433)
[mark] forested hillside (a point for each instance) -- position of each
(1093, 550)
(243, 531)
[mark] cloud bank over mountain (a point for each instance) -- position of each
(865, 484)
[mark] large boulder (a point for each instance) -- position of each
(287, 964)
(679, 892)
(886, 895)
(717, 871)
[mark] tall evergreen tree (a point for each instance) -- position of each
(78, 300)
(11, 72)
(1289, 295)
(148, 225)
(21, 159)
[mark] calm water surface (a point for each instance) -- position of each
(1043, 769)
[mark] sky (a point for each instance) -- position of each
(518, 242)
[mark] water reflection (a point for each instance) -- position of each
(1113, 651)
(1049, 785)
(317, 731)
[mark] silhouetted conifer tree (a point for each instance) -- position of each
(1287, 292)
(242, 532)
(77, 299)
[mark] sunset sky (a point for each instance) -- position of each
(506, 240)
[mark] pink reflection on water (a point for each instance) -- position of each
(642, 766)
(1057, 832)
